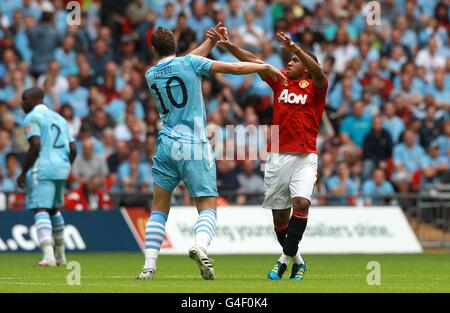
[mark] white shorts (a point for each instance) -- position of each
(288, 176)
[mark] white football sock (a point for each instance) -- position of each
(297, 259)
(284, 259)
(154, 237)
(44, 233)
(205, 228)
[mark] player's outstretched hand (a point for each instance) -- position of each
(218, 34)
(276, 74)
(287, 43)
(223, 32)
(213, 35)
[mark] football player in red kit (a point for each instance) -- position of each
(291, 167)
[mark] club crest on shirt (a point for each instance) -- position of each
(303, 84)
(29, 128)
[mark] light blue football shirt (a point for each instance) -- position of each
(53, 162)
(176, 85)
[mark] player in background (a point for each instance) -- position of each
(291, 167)
(183, 151)
(47, 165)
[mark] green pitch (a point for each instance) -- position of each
(115, 272)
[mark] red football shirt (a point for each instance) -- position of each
(297, 111)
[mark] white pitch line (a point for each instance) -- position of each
(30, 283)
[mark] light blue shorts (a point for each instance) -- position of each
(44, 194)
(194, 164)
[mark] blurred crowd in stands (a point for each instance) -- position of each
(387, 123)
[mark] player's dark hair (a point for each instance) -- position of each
(163, 41)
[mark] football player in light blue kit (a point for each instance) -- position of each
(183, 150)
(47, 166)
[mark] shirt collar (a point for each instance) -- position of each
(41, 106)
(170, 57)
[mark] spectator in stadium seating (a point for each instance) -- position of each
(409, 159)
(76, 96)
(184, 35)
(118, 107)
(58, 83)
(373, 78)
(251, 34)
(6, 184)
(134, 175)
(227, 182)
(89, 196)
(169, 19)
(377, 147)
(11, 93)
(6, 145)
(234, 17)
(436, 165)
(119, 156)
(252, 183)
(429, 58)
(343, 95)
(430, 128)
(137, 12)
(73, 121)
(29, 8)
(439, 90)
(44, 39)
(355, 127)
(86, 133)
(108, 89)
(98, 121)
(211, 102)
(17, 135)
(408, 36)
(87, 79)
(391, 122)
(199, 22)
(99, 57)
(137, 136)
(377, 186)
(88, 163)
(108, 140)
(343, 51)
(341, 185)
(444, 140)
(66, 56)
(12, 167)
(264, 18)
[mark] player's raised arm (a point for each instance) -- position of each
(236, 51)
(212, 37)
(242, 68)
(318, 76)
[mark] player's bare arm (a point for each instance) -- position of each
(212, 37)
(73, 152)
(30, 159)
(318, 76)
(236, 51)
(242, 68)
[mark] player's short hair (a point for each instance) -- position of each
(163, 41)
